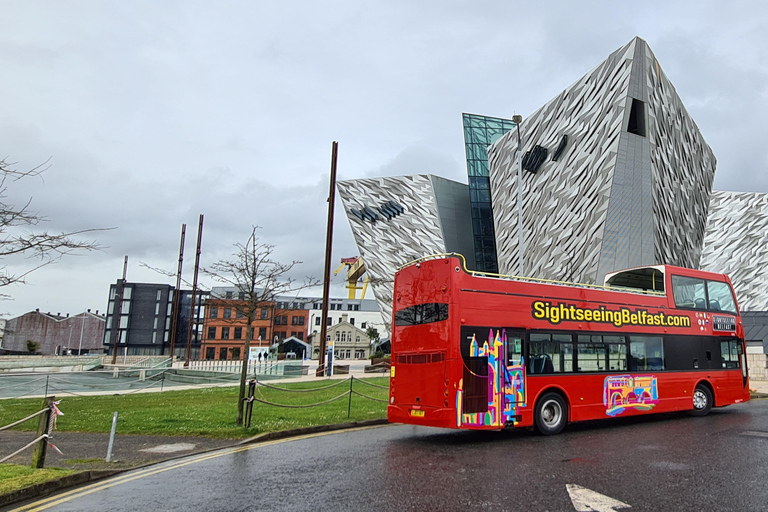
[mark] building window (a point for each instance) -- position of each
(223, 353)
(238, 313)
(214, 312)
(349, 307)
(317, 320)
(352, 321)
(301, 320)
(210, 353)
(228, 295)
(211, 333)
(225, 333)
(264, 313)
(357, 339)
(227, 312)
(294, 320)
(236, 353)
(241, 295)
(238, 333)
(338, 335)
(315, 305)
(300, 335)
(329, 321)
(362, 325)
(262, 333)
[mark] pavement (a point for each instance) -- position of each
(87, 452)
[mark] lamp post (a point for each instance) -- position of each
(517, 119)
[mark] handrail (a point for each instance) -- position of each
(476, 273)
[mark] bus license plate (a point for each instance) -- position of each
(419, 414)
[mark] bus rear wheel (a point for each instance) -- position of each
(550, 415)
(702, 401)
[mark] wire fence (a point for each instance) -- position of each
(46, 424)
(255, 384)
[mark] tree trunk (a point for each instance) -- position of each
(244, 371)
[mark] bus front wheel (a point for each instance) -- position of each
(702, 401)
(551, 415)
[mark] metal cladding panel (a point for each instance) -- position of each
(683, 167)
(385, 244)
(736, 244)
(565, 202)
(614, 199)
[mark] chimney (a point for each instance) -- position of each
(67, 315)
(89, 310)
(345, 317)
(97, 312)
(37, 310)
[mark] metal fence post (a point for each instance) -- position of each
(112, 437)
(38, 455)
(349, 407)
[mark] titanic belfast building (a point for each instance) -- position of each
(614, 174)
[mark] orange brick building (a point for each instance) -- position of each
(225, 326)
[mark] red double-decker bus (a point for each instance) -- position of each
(480, 351)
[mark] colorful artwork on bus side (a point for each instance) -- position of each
(505, 384)
(624, 392)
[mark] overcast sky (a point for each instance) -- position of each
(154, 112)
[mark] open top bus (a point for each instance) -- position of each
(481, 351)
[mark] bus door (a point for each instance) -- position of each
(515, 378)
(492, 389)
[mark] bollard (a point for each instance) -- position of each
(142, 375)
(38, 455)
(349, 407)
(112, 437)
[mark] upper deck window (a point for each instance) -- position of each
(422, 314)
(647, 279)
(697, 293)
(721, 297)
(689, 292)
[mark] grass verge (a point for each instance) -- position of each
(210, 412)
(14, 477)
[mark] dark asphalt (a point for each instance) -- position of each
(660, 462)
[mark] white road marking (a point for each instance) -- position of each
(585, 500)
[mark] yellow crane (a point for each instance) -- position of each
(355, 270)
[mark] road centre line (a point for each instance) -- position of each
(58, 499)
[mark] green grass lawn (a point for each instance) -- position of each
(207, 412)
(14, 477)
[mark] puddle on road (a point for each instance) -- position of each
(170, 448)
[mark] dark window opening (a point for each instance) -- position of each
(637, 118)
(422, 314)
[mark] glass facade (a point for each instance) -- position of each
(479, 133)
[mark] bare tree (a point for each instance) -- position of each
(258, 280)
(17, 237)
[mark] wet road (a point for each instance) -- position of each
(661, 462)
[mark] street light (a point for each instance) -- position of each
(517, 119)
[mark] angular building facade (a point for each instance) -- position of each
(736, 243)
(397, 219)
(615, 175)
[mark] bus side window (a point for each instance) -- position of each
(646, 353)
(549, 353)
(514, 349)
(689, 292)
(729, 350)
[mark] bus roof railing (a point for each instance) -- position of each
(476, 273)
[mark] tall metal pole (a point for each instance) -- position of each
(118, 310)
(327, 268)
(82, 328)
(517, 119)
(177, 294)
(194, 292)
